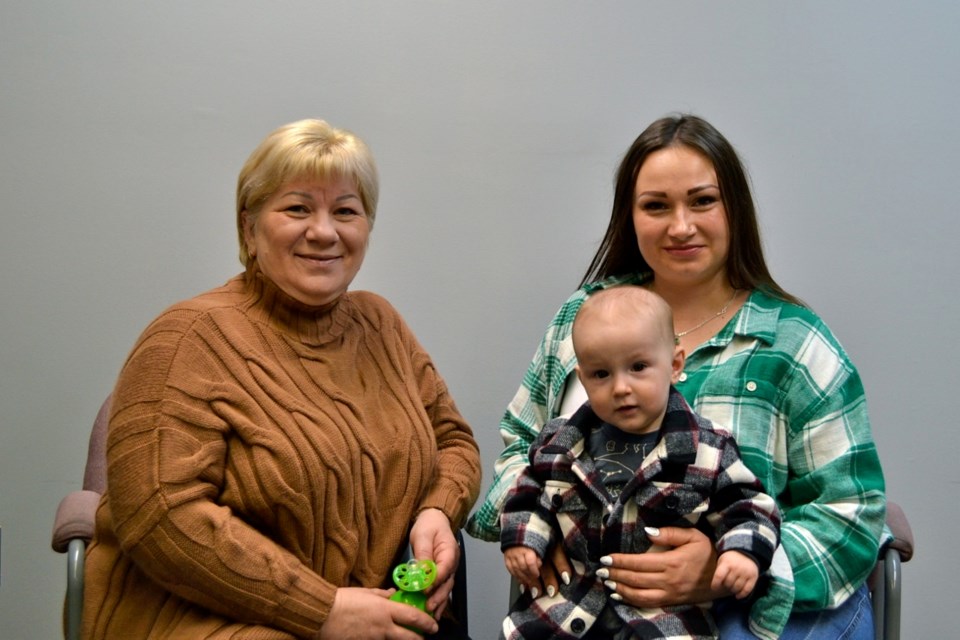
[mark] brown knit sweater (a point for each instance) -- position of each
(262, 453)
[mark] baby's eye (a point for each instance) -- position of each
(638, 366)
(600, 374)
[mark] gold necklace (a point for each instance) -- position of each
(713, 317)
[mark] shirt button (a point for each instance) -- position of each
(578, 625)
(683, 376)
(672, 502)
(556, 500)
(751, 386)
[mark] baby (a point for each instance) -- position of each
(633, 456)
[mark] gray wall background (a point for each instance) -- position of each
(497, 127)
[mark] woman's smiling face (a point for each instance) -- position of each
(310, 237)
(679, 217)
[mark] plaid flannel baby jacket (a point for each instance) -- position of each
(694, 477)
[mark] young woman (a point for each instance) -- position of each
(758, 362)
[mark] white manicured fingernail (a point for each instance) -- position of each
(551, 591)
(616, 596)
(534, 592)
(523, 589)
(652, 531)
(603, 574)
(606, 561)
(610, 584)
(565, 576)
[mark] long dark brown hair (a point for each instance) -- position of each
(619, 253)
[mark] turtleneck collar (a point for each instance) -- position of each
(311, 325)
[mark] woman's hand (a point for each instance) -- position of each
(369, 614)
(555, 568)
(432, 538)
(680, 575)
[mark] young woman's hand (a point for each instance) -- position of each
(556, 569)
(681, 574)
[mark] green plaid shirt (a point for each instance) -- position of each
(776, 377)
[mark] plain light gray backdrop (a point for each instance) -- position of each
(497, 127)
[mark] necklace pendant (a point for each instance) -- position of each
(722, 311)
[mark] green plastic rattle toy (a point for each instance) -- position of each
(413, 578)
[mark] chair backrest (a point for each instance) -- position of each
(76, 512)
(95, 473)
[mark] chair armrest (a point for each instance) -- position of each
(902, 533)
(74, 519)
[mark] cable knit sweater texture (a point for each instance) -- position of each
(262, 453)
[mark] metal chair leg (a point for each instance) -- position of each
(893, 582)
(75, 557)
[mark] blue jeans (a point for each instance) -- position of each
(853, 620)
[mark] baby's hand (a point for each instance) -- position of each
(737, 572)
(524, 565)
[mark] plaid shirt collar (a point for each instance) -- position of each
(678, 438)
(758, 318)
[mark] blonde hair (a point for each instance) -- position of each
(306, 148)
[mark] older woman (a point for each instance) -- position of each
(255, 488)
(759, 362)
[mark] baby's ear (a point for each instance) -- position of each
(581, 375)
(679, 359)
